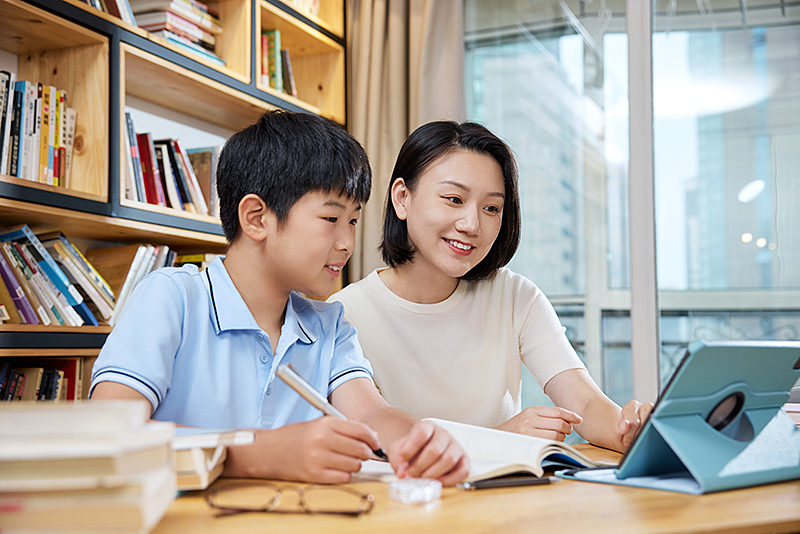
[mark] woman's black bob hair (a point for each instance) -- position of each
(425, 145)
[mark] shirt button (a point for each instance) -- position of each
(260, 337)
(269, 390)
(264, 358)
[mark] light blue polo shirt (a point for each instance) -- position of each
(187, 342)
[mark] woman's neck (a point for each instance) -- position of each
(411, 283)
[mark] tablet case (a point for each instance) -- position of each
(718, 423)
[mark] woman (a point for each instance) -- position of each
(446, 324)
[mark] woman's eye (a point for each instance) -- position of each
(454, 200)
(493, 209)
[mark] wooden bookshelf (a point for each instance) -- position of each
(317, 61)
(102, 63)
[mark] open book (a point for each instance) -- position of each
(495, 453)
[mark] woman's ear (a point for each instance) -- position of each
(399, 197)
(254, 217)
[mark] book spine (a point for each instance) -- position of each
(24, 308)
(7, 113)
(19, 272)
(72, 118)
(137, 163)
(47, 295)
(274, 60)
(14, 164)
(196, 192)
(44, 132)
(51, 135)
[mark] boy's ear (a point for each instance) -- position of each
(255, 217)
(399, 197)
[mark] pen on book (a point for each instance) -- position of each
(304, 389)
(505, 482)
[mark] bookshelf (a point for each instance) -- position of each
(104, 63)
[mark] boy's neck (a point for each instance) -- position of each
(266, 302)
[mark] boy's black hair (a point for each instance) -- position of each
(425, 145)
(283, 156)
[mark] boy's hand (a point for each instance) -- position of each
(326, 450)
(549, 422)
(632, 418)
(429, 451)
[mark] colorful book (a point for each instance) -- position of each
(181, 178)
(152, 179)
(8, 80)
(8, 308)
(85, 265)
(168, 177)
(190, 10)
(194, 187)
(165, 20)
(72, 118)
(14, 140)
(33, 381)
(23, 305)
(28, 114)
(274, 69)
(137, 162)
(33, 298)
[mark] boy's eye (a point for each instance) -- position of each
(354, 222)
(331, 219)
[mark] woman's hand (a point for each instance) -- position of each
(547, 422)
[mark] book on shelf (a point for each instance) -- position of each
(69, 368)
(195, 190)
(201, 260)
(47, 309)
(84, 467)
(8, 308)
(23, 235)
(126, 265)
(98, 304)
(27, 114)
(154, 21)
(271, 43)
(180, 175)
(5, 367)
(12, 390)
(289, 85)
(191, 47)
(72, 120)
(200, 454)
(33, 381)
(496, 453)
(51, 238)
(792, 409)
(122, 10)
(14, 135)
(136, 162)
(191, 10)
(7, 80)
(204, 163)
(24, 307)
(152, 178)
(42, 316)
(168, 177)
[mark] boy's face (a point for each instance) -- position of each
(314, 243)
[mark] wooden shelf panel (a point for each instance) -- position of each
(27, 30)
(101, 228)
(317, 62)
(168, 211)
(168, 85)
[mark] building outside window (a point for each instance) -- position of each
(551, 78)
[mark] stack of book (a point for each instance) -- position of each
(160, 172)
(37, 131)
(84, 467)
(276, 64)
(200, 454)
(47, 281)
(187, 24)
(126, 265)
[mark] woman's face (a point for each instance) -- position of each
(455, 212)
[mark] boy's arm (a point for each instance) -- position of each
(326, 450)
(116, 391)
(415, 448)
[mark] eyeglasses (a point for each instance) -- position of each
(243, 497)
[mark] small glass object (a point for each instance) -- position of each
(415, 490)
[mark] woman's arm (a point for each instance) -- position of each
(604, 423)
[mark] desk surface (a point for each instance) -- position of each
(561, 507)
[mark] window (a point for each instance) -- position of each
(551, 78)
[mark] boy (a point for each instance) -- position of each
(203, 347)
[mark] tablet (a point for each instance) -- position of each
(718, 422)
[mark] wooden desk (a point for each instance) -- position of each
(561, 507)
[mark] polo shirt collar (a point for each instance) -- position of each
(228, 310)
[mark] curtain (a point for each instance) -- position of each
(405, 68)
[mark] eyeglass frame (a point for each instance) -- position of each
(366, 503)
